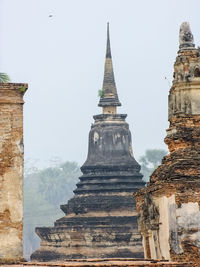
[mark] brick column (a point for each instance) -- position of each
(11, 170)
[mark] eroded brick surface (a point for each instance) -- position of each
(11, 170)
(169, 206)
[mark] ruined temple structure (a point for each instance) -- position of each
(101, 219)
(169, 207)
(11, 170)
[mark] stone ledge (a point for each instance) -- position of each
(103, 263)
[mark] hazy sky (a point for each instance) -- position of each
(62, 59)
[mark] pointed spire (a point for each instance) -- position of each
(186, 40)
(108, 52)
(109, 95)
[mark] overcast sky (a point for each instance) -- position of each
(62, 56)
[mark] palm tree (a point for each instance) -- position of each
(4, 78)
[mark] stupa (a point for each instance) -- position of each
(169, 206)
(101, 219)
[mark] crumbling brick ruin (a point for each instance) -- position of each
(11, 170)
(169, 208)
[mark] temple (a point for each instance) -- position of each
(169, 207)
(101, 219)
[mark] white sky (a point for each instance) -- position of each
(62, 59)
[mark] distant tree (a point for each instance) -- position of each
(44, 191)
(150, 161)
(58, 182)
(30, 166)
(4, 78)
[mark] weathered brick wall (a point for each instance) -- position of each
(11, 170)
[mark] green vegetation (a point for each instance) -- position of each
(101, 93)
(150, 161)
(23, 89)
(4, 78)
(44, 191)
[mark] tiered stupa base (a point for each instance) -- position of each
(100, 237)
(97, 225)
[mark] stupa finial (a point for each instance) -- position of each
(186, 40)
(108, 52)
